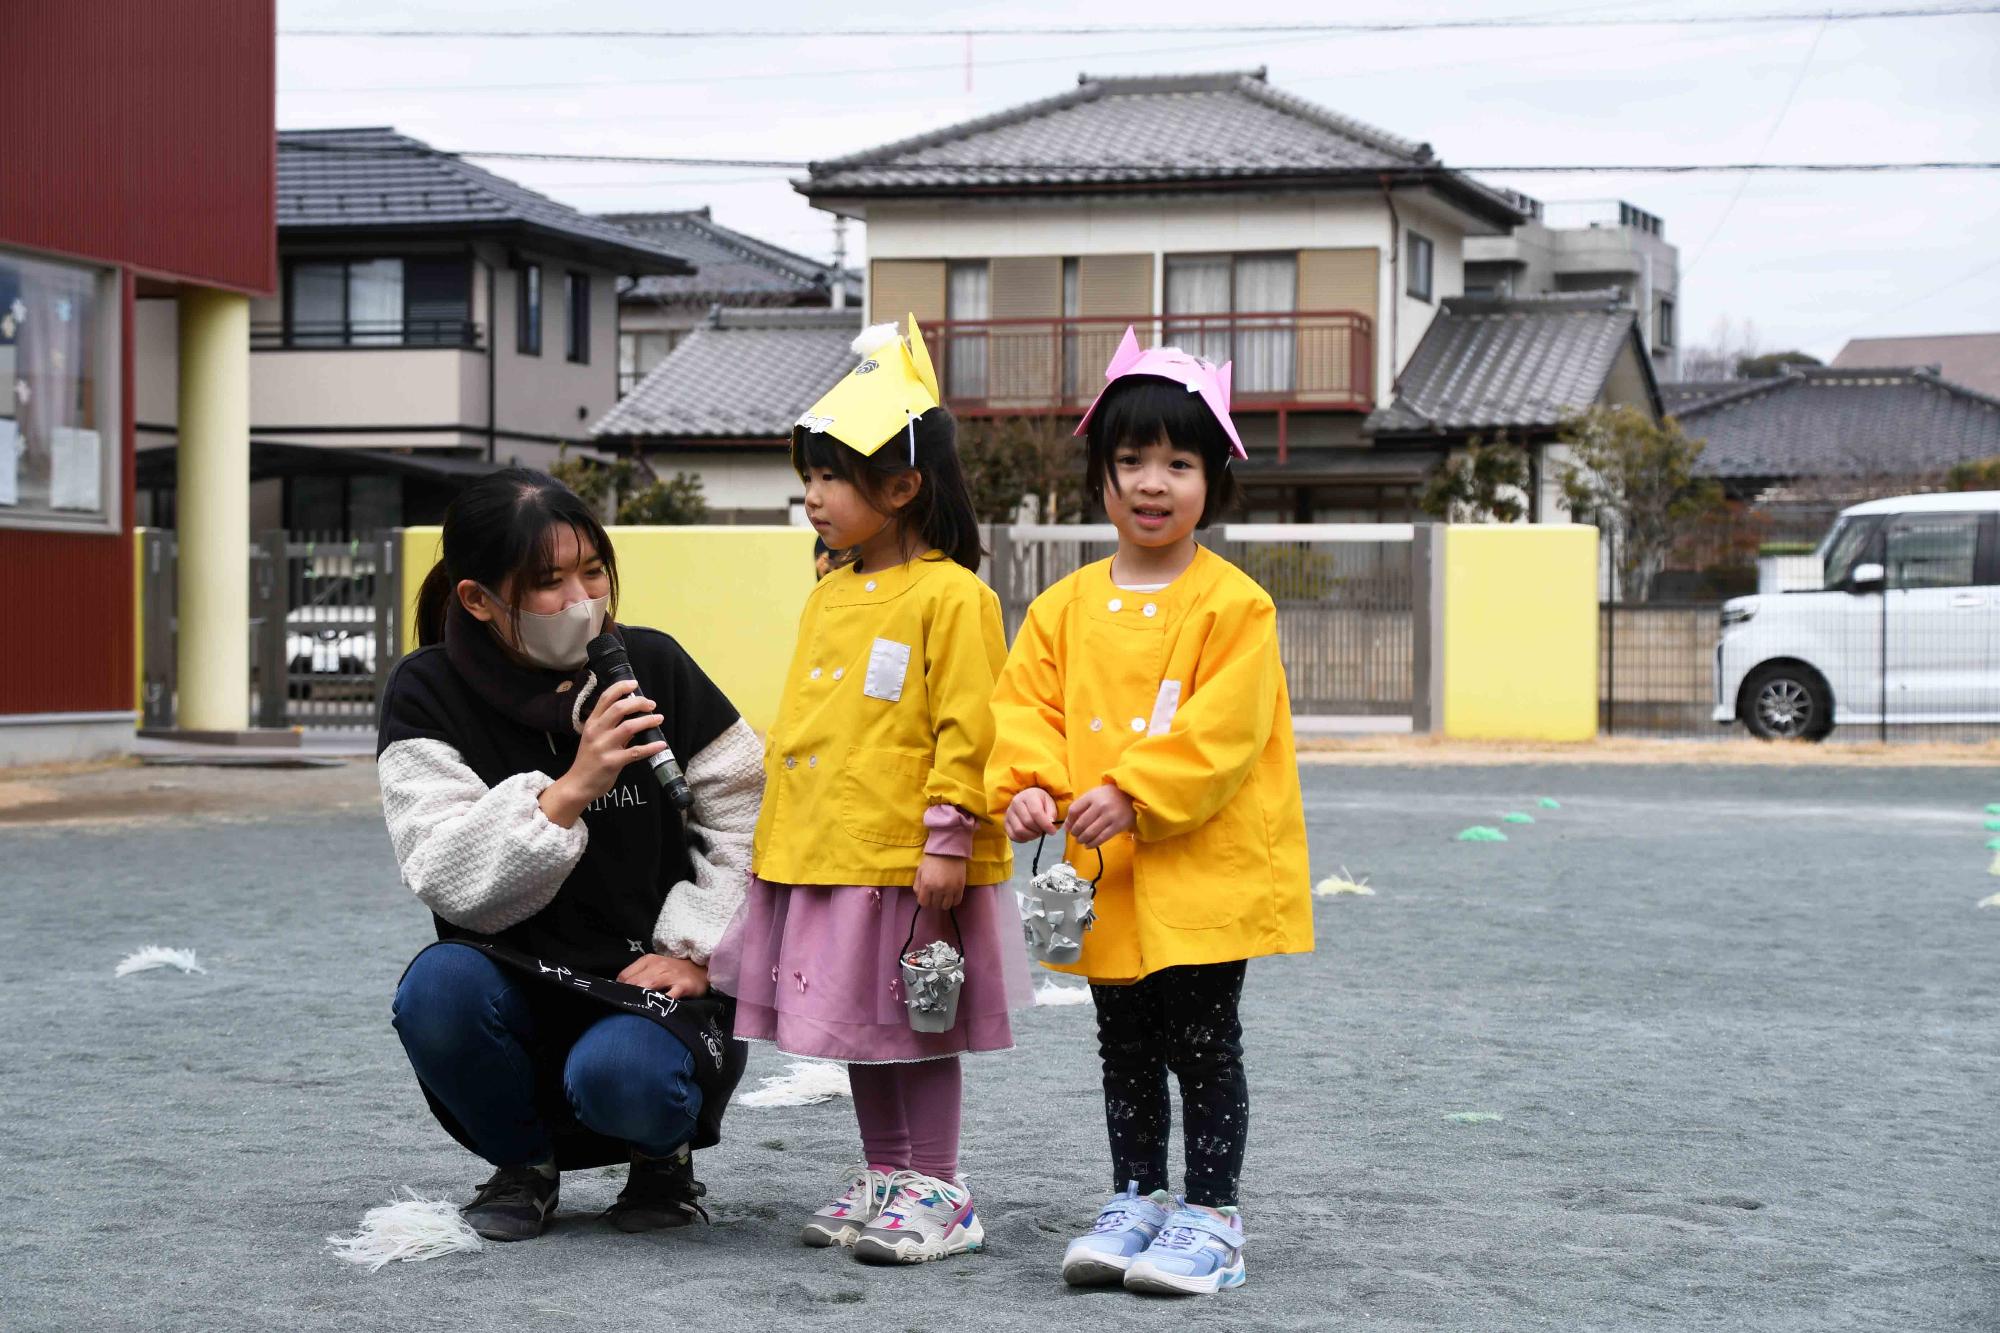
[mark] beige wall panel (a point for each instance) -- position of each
(1023, 362)
(1331, 365)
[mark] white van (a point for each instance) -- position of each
(1905, 627)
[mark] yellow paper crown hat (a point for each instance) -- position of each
(880, 399)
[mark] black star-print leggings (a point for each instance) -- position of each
(1183, 1019)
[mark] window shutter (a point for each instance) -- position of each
(899, 287)
(1025, 361)
(1336, 358)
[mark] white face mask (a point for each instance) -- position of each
(558, 640)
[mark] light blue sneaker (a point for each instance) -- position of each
(1124, 1228)
(1195, 1254)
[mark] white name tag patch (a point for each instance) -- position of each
(888, 666)
(1164, 704)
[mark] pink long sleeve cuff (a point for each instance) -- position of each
(950, 831)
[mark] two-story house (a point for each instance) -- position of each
(1588, 245)
(730, 269)
(1210, 211)
(432, 320)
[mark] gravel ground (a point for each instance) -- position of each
(1738, 1026)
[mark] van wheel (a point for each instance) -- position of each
(1786, 703)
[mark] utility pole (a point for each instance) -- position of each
(839, 283)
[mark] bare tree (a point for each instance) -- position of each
(1720, 356)
(1634, 478)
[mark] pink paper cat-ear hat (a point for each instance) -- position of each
(1171, 363)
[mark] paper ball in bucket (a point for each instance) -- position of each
(933, 975)
(1056, 910)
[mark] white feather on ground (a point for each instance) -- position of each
(805, 1083)
(154, 955)
(408, 1230)
(1055, 993)
(1333, 886)
(1993, 901)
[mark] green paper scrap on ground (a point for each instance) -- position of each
(1481, 833)
(1993, 844)
(1993, 809)
(1549, 803)
(1473, 1117)
(1516, 817)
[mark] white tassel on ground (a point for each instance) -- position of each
(407, 1230)
(1055, 993)
(1333, 886)
(153, 956)
(805, 1083)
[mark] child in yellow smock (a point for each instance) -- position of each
(1144, 706)
(873, 826)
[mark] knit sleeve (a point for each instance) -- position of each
(483, 858)
(726, 778)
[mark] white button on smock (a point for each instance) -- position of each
(1097, 724)
(838, 672)
(1138, 724)
(870, 585)
(812, 761)
(791, 762)
(815, 673)
(1114, 605)
(1150, 609)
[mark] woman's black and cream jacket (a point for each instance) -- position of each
(469, 739)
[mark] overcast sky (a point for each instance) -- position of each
(1809, 260)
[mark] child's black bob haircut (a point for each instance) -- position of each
(941, 512)
(1146, 409)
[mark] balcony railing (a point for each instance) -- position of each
(332, 334)
(1283, 360)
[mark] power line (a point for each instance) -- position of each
(1097, 30)
(1182, 168)
(1742, 184)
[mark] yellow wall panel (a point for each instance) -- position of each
(731, 596)
(1520, 632)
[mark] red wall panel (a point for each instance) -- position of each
(142, 132)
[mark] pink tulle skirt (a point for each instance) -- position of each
(814, 969)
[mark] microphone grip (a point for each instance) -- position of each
(665, 767)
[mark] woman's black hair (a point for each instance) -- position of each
(1146, 409)
(500, 532)
(941, 512)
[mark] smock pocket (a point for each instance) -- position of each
(882, 796)
(1208, 878)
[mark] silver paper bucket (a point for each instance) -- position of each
(933, 976)
(1056, 910)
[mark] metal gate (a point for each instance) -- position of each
(323, 628)
(1349, 598)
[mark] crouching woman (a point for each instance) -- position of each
(564, 1019)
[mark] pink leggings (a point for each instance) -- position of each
(909, 1115)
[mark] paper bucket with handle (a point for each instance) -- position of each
(932, 978)
(1056, 909)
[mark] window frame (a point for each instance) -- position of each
(576, 317)
(528, 310)
(346, 340)
(1663, 323)
(107, 353)
(1902, 523)
(1413, 238)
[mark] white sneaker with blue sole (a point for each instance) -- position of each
(1197, 1253)
(1124, 1228)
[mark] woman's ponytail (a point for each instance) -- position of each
(433, 600)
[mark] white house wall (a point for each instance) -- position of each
(734, 479)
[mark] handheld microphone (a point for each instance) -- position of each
(609, 660)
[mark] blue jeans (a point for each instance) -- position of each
(475, 1033)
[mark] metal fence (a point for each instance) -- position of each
(323, 628)
(1347, 598)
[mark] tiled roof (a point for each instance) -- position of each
(379, 180)
(1968, 359)
(742, 375)
(1184, 131)
(1826, 422)
(730, 268)
(1680, 395)
(1521, 363)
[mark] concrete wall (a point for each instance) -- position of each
(731, 596)
(1520, 633)
(736, 478)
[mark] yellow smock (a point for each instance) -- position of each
(884, 715)
(1178, 698)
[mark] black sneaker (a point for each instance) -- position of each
(660, 1192)
(515, 1204)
